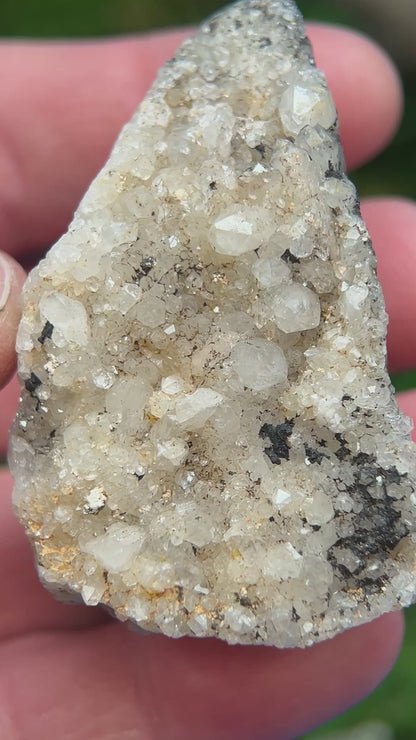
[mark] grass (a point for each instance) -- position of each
(392, 172)
(392, 702)
(57, 18)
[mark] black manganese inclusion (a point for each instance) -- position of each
(47, 332)
(278, 435)
(313, 456)
(289, 257)
(32, 383)
(378, 527)
(147, 264)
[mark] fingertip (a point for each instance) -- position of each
(12, 277)
(363, 79)
(392, 226)
(78, 95)
(355, 662)
(265, 692)
(407, 403)
(366, 87)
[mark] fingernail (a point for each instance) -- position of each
(5, 281)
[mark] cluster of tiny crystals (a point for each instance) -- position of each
(207, 441)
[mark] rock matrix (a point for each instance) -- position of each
(207, 441)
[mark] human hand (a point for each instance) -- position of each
(72, 673)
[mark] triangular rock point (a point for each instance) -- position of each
(208, 441)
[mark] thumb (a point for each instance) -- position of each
(12, 277)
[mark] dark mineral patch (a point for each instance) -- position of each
(47, 332)
(279, 438)
(32, 383)
(147, 264)
(314, 456)
(289, 257)
(378, 527)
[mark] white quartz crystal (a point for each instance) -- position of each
(259, 364)
(296, 308)
(207, 441)
(241, 230)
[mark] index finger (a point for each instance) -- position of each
(63, 104)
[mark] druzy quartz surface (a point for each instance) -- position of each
(207, 441)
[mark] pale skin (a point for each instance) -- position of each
(71, 673)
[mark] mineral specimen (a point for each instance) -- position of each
(207, 440)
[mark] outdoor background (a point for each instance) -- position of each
(392, 173)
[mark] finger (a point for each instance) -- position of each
(392, 225)
(12, 277)
(109, 683)
(76, 97)
(9, 398)
(407, 403)
(366, 88)
(24, 602)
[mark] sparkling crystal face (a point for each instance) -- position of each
(207, 441)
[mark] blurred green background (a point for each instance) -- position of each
(394, 172)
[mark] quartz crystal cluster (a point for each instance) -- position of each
(207, 441)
